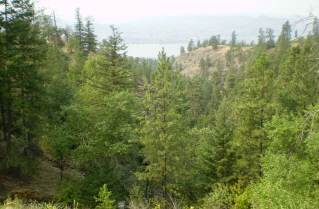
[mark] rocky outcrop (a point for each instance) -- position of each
(189, 62)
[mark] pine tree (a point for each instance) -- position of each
(182, 50)
(162, 135)
(213, 41)
(285, 36)
(233, 41)
(218, 85)
(198, 45)
(104, 201)
(79, 27)
(194, 96)
(21, 54)
(261, 37)
(109, 70)
(253, 109)
(297, 81)
(191, 46)
(89, 38)
(219, 158)
(270, 38)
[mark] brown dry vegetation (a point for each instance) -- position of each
(190, 60)
(42, 186)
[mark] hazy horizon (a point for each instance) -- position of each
(126, 10)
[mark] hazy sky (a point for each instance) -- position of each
(120, 10)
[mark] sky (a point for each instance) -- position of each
(123, 10)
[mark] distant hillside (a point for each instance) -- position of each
(189, 63)
(180, 29)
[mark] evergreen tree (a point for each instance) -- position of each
(261, 37)
(110, 68)
(162, 135)
(90, 37)
(270, 38)
(194, 96)
(78, 58)
(285, 36)
(214, 41)
(191, 46)
(22, 50)
(218, 85)
(297, 82)
(198, 44)
(233, 41)
(182, 50)
(253, 110)
(219, 158)
(79, 27)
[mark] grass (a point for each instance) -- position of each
(18, 204)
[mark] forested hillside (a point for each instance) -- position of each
(239, 132)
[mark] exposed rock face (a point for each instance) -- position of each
(190, 61)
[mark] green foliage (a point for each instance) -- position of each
(103, 200)
(219, 157)
(287, 183)
(136, 199)
(90, 38)
(220, 197)
(109, 70)
(182, 50)
(17, 204)
(283, 132)
(191, 46)
(22, 49)
(253, 109)
(297, 81)
(194, 95)
(162, 132)
(214, 41)
(240, 194)
(177, 138)
(270, 38)
(233, 41)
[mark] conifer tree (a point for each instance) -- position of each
(79, 27)
(253, 109)
(233, 41)
(191, 46)
(182, 50)
(285, 36)
(270, 38)
(90, 37)
(109, 70)
(213, 41)
(198, 45)
(261, 37)
(219, 158)
(218, 85)
(21, 52)
(194, 96)
(297, 81)
(162, 135)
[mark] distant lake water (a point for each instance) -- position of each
(152, 50)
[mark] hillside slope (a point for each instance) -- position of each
(189, 62)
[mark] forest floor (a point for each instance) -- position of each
(44, 185)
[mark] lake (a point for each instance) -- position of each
(152, 50)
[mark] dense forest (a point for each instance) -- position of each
(241, 136)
